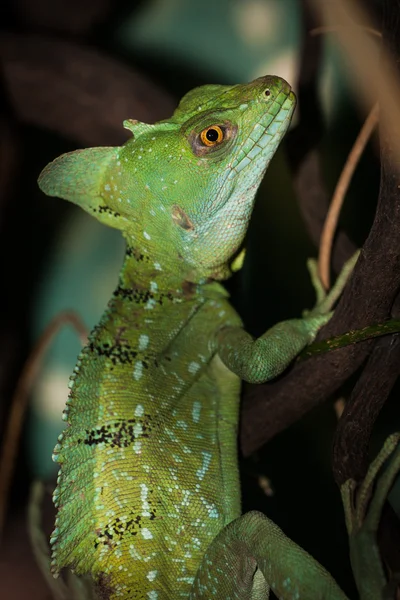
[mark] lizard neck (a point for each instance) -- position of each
(149, 300)
(150, 281)
(153, 276)
(157, 257)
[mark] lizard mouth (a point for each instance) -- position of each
(267, 132)
(260, 145)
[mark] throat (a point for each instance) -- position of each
(157, 271)
(149, 284)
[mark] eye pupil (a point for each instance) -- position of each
(267, 92)
(212, 135)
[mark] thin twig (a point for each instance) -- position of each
(339, 406)
(342, 185)
(20, 400)
(334, 29)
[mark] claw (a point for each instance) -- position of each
(363, 512)
(326, 301)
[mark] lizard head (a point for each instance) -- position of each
(182, 190)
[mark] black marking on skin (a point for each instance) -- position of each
(116, 529)
(141, 296)
(181, 219)
(119, 434)
(106, 209)
(136, 254)
(121, 353)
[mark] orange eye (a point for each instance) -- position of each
(212, 135)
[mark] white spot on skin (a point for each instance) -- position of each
(139, 411)
(153, 595)
(150, 304)
(137, 429)
(137, 447)
(107, 187)
(153, 286)
(151, 575)
(157, 266)
(196, 411)
(206, 463)
(193, 367)
(144, 490)
(143, 341)
(146, 235)
(146, 533)
(138, 370)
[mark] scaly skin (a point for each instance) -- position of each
(149, 474)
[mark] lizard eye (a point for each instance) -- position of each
(212, 136)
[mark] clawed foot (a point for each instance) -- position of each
(363, 508)
(325, 301)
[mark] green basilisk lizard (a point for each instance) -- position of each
(148, 491)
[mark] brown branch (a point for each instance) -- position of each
(19, 401)
(302, 145)
(334, 29)
(351, 446)
(72, 16)
(353, 434)
(76, 91)
(369, 296)
(332, 218)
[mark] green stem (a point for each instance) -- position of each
(351, 337)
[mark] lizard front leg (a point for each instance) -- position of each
(266, 357)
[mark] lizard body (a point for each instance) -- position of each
(149, 475)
